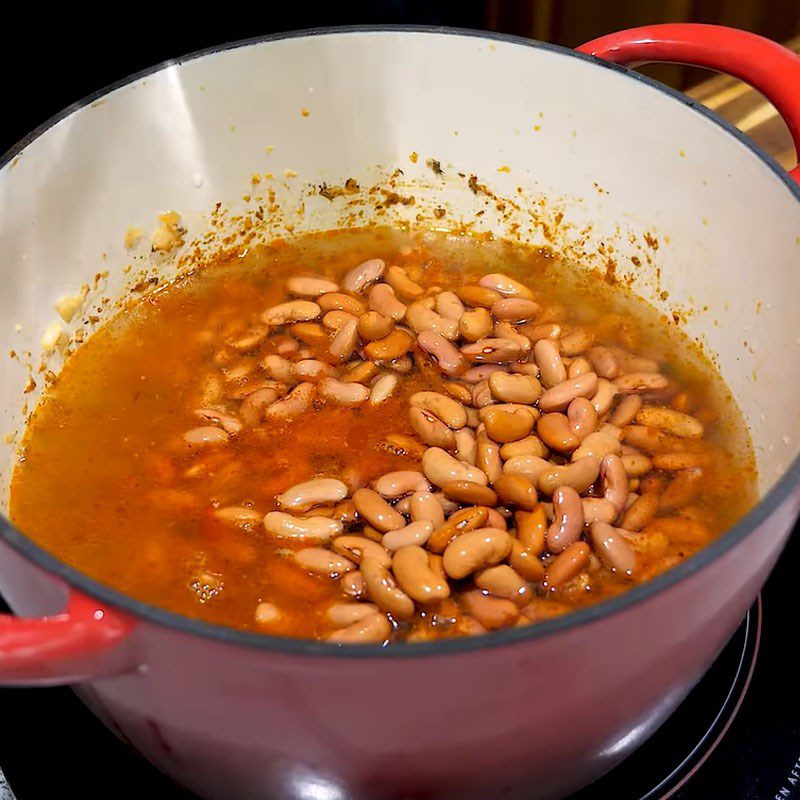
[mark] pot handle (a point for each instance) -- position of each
(765, 65)
(81, 643)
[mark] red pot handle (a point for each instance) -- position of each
(82, 643)
(765, 65)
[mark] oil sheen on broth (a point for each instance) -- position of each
(147, 467)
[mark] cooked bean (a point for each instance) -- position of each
(614, 480)
(249, 339)
(597, 445)
(366, 273)
(338, 301)
(281, 369)
(316, 492)
(678, 461)
(458, 392)
(514, 309)
(405, 445)
(227, 422)
(525, 562)
(679, 530)
(567, 565)
(475, 549)
(321, 561)
(373, 508)
(626, 410)
(416, 577)
(201, 437)
(552, 371)
(490, 612)
(345, 614)
(310, 333)
(359, 372)
(598, 509)
(532, 529)
(636, 464)
(459, 522)
(440, 468)
(582, 417)
(507, 423)
(603, 398)
(579, 475)
(239, 515)
(372, 629)
(514, 388)
(475, 325)
(267, 614)
(517, 490)
(291, 311)
(396, 484)
(421, 318)
(352, 584)
(641, 512)
(670, 420)
(465, 446)
(425, 506)
(479, 374)
(401, 365)
(612, 548)
(285, 526)
(415, 533)
(473, 420)
(529, 466)
(296, 402)
(503, 581)
(396, 344)
(492, 351)
(481, 395)
(343, 394)
(448, 359)
(356, 548)
(383, 591)
(382, 388)
(547, 330)
(505, 286)
(403, 286)
(431, 430)
(558, 397)
(373, 326)
(478, 296)
(470, 492)
(641, 382)
(631, 363)
(568, 524)
(578, 366)
(603, 362)
(651, 440)
(576, 342)
(682, 490)
(449, 305)
(557, 433)
(345, 512)
(382, 299)
(487, 455)
(449, 411)
(529, 446)
(307, 286)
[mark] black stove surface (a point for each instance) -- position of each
(735, 737)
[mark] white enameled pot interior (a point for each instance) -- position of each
(620, 158)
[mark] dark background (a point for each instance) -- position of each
(51, 58)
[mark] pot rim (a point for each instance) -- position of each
(775, 497)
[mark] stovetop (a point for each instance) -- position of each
(735, 737)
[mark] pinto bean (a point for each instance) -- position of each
(578, 366)
(503, 581)
(493, 351)
(424, 506)
(614, 480)
(316, 492)
(670, 420)
(470, 492)
(481, 395)
(547, 330)
(674, 462)
(479, 374)
(415, 576)
(396, 344)
(333, 320)
(321, 561)
(402, 285)
(382, 589)
(338, 301)
(507, 423)
(478, 296)
(682, 490)
(626, 410)
(487, 455)
(529, 446)
(465, 446)
(356, 548)
(515, 309)
(576, 342)
(227, 422)
(557, 433)
(291, 311)
(636, 464)
(603, 362)
(205, 436)
(641, 512)
(343, 394)
(415, 533)
(239, 515)
(359, 372)
(449, 306)
(431, 430)
(552, 371)
(344, 614)
(612, 548)
(567, 565)
(296, 402)
(475, 325)
(382, 299)
(440, 468)
(529, 466)
(598, 509)
(505, 286)
(641, 382)
(448, 410)
(421, 318)
(361, 277)
(400, 444)
(458, 391)
(448, 359)
(310, 333)
(558, 397)
(532, 529)
(597, 445)
(352, 584)
(460, 522)
(525, 562)
(370, 629)
(281, 369)
(651, 440)
(310, 369)
(568, 524)
(401, 482)
(310, 286)
(603, 398)
(373, 326)
(382, 388)
(517, 490)
(250, 339)
(285, 526)
(490, 612)
(267, 614)
(507, 388)
(579, 475)
(582, 417)
(373, 508)
(475, 549)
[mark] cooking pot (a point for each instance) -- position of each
(530, 712)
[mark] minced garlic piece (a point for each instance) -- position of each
(52, 337)
(67, 306)
(170, 234)
(132, 237)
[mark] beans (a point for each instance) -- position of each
(507, 423)
(373, 326)
(424, 506)
(678, 461)
(503, 581)
(373, 508)
(292, 311)
(597, 445)
(495, 519)
(517, 490)
(285, 526)
(431, 430)
(405, 445)
(603, 362)
(492, 351)
(626, 410)
(309, 369)
(460, 522)
(481, 396)
(356, 548)
(582, 417)
(603, 398)
(514, 388)
(548, 330)
(529, 446)
(202, 437)
(465, 446)
(396, 484)
(338, 301)
(310, 333)
(449, 305)
(557, 433)
(567, 565)
(396, 344)
(447, 358)
(552, 371)
(529, 466)
(614, 480)
(402, 285)
(579, 475)
(267, 614)
(490, 612)
(316, 492)
(323, 562)
(382, 299)
(470, 492)
(366, 273)
(558, 397)
(478, 296)
(421, 318)
(612, 548)
(576, 342)
(641, 382)
(475, 549)
(239, 515)
(682, 490)
(641, 512)
(382, 389)
(359, 372)
(505, 286)
(249, 339)
(440, 468)
(525, 562)
(310, 286)
(345, 512)
(352, 584)
(596, 509)
(458, 392)
(415, 533)
(636, 465)
(479, 374)
(416, 577)
(578, 366)
(532, 529)
(344, 614)
(670, 420)
(568, 524)
(384, 592)
(343, 394)
(475, 325)
(449, 411)
(372, 629)
(651, 440)
(296, 402)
